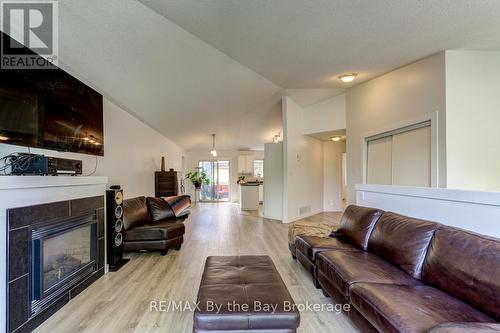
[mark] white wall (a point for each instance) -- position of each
(132, 152)
(303, 165)
(327, 115)
(193, 157)
(410, 94)
(332, 175)
(472, 119)
(471, 210)
(274, 176)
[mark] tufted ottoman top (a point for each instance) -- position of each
(244, 293)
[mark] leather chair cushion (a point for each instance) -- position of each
(357, 224)
(310, 246)
(155, 231)
(180, 204)
(410, 309)
(465, 328)
(152, 245)
(135, 212)
(467, 266)
(160, 209)
(344, 268)
(243, 281)
(403, 241)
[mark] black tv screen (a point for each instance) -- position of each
(48, 108)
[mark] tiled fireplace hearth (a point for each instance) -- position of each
(55, 250)
(51, 245)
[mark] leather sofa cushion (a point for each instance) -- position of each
(344, 268)
(135, 212)
(243, 280)
(467, 266)
(465, 328)
(403, 241)
(155, 231)
(159, 209)
(410, 309)
(357, 224)
(310, 246)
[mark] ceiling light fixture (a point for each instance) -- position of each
(4, 138)
(277, 138)
(348, 77)
(337, 138)
(213, 151)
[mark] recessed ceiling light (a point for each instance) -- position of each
(348, 77)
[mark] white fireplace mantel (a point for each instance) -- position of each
(20, 191)
(18, 182)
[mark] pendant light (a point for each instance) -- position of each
(213, 151)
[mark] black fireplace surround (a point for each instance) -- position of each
(55, 251)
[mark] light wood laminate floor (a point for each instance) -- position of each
(120, 302)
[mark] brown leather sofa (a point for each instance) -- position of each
(402, 274)
(355, 226)
(151, 224)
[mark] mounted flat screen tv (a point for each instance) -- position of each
(48, 108)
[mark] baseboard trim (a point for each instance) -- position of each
(277, 218)
(314, 212)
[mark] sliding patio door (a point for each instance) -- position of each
(218, 172)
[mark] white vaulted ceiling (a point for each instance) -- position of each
(190, 68)
(165, 76)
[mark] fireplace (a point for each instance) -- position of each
(55, 251)
(62, 255)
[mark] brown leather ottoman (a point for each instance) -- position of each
(244, 294)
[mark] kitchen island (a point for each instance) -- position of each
(249, 196)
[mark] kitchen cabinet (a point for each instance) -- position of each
(245, 164)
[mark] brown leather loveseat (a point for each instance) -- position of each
(401, 274)
(154, 224)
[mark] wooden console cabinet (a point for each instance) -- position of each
(166, 184)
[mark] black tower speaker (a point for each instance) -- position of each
(114, 228)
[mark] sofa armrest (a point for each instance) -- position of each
(465, 328)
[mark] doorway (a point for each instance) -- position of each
(219, 187)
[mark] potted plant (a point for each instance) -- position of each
(198, 178)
